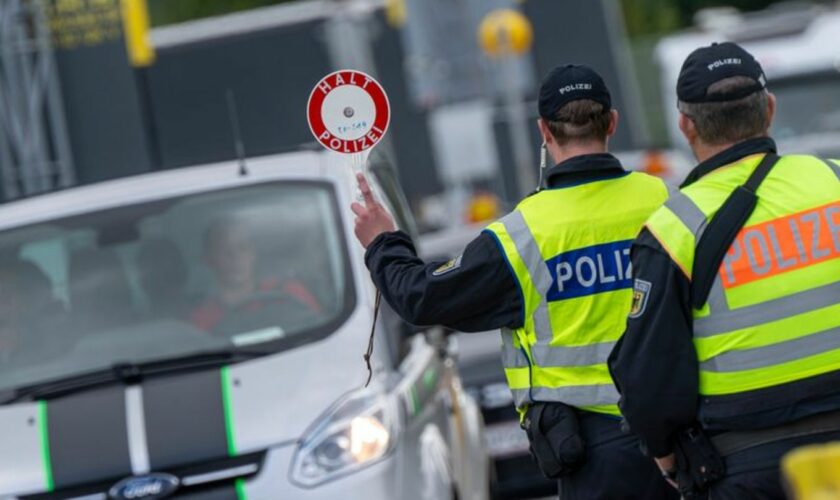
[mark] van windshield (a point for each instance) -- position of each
(260, 268)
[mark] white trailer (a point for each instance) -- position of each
(798, 46)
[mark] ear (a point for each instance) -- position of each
(613, 123)
(771, 108)
(545, 132)
(687, 128)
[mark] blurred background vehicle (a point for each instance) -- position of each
(795, 42)
(203, 314)
(459, 120)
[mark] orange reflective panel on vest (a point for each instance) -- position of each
(783, 245)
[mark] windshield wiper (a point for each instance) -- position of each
(125, 373)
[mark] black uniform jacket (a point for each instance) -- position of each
(655, 366)
(476, 291)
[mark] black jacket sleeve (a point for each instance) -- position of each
(474, 292)
(654, 365)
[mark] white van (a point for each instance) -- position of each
(200, 333)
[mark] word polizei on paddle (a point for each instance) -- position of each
(348, 113)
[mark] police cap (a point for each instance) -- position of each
(568, 83)
(709, 65)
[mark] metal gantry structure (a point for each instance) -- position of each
(35, 154)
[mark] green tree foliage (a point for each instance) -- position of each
(651, 16)
(176, 11)
(647, 17)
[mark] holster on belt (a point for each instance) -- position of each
(698, 463)
(555, 441)
(700, 458)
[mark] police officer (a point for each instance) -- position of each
(554, 275)
(755, 362)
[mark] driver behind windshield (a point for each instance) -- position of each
(230, 253)
(29, 313)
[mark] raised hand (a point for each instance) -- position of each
(371, 218)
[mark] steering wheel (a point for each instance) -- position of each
(280, 308)
(266, 296)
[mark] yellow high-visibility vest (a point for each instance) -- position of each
(773, 314)
(569, 249)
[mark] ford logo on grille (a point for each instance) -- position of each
(148, 487)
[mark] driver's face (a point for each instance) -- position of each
(231, 256)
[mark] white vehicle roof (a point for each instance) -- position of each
(253, 20)
(184, 181)
(787, 40)
(782, 52)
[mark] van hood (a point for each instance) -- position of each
(103, 435)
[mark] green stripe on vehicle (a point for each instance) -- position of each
(430, 377)
(49, 484)
(415, 402)
(228, 410)
(240, 490)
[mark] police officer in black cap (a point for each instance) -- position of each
(554, 276)
(731, 356)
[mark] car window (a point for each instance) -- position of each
(259, 268)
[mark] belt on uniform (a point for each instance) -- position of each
(735, 441)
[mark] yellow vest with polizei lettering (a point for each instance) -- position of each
(773, 314)
(569, 249)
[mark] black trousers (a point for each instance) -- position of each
(755, 474)
(615, 468)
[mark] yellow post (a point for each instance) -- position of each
(505, 32)
(813, 472)
(135, 15)
(395, 12)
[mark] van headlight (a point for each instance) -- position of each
(354, 433)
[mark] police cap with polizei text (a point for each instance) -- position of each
(708, 65)
(568, 83)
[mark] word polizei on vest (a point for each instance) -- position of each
(782, 245)
(590, 270)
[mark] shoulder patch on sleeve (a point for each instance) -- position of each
(448, 266)
(641, 291)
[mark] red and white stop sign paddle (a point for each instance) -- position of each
(348, 112)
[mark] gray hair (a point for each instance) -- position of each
(729, 121)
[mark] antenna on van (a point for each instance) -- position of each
(239, 146)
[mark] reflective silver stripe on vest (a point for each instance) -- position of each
(511, 356)
(774, 354)
(689, 213)
(765, 312)
(528, 250)
(545, 355)
(557, 356)
(717, 297)
(672, 190)
(576, 395)
(521, 397)
(833, 166)
(695, 220)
